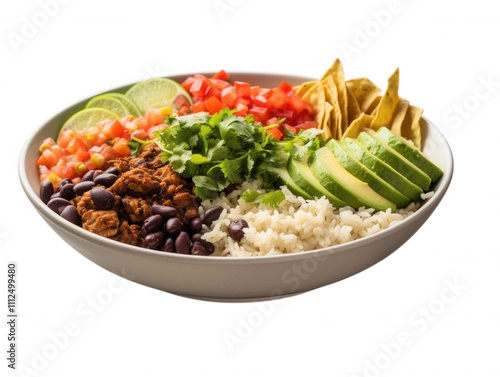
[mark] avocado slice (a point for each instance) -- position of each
(302, 175)
(288, 181)
(412, 154)
(393, 158)
(384, 171)
(364, 174)
(336, 179)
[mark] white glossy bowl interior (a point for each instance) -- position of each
(233, 279)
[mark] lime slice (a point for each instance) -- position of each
(156, 93)
(110, 103)
(88, 118)
(131, 106)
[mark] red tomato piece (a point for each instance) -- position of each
(113, 129)
(261, 112)
(306, 125)
(275, 132)
(286, 87)
(199, 107)
(181, 101)
(187, 83)
(69, 171)
(221, 75)
(154, 117)
(261, 101)
(121, 148)
(243, 89)
(242, 110)
(220, 84)
(199, 87)
(229, 97)
(291, 128)
(74, 145)
(213, 105)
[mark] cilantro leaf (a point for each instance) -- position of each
(272, 199)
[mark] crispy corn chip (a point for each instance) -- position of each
(353, 110)
(387, 105)
(360, 124)
(336, 72)
(411, 125)
(399, 116)
(364, 91)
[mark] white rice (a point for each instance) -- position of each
(297, 225)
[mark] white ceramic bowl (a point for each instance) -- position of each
(233, 279)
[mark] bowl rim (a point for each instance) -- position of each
(427, 206)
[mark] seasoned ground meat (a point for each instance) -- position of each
(103, 223)
(130, 234)
(136, 209)
(143, 182)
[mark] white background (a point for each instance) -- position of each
(445, 51)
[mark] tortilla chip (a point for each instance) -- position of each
(326, 121)
(399, 116)
(372, 110)
(316, 97)
(302, 89)
(353, 110)
(336, 72)
(411, 126)
(360, 124)
(364, 91)
(388, 104)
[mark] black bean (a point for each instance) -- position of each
(196, 237)
(182, 243)
(63, 183)
(55, 195)
(152, 224)
(173, 226)
(154, 240)
(102, 198)
(211, 215)
(112, 170)
(91, 175)
(199, 249)
(169, 246)
(165, 211)
(235, 229)
(105, 179)
(58, 204)
(67, 191)
(82, 187)
(209, 246)
(195, 225)
(71, 214)
(46, 191)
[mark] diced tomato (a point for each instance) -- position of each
(242, 101)
(261, 112)
(49, 141)
(255, 91)
(307, 125)
(266, 93)
(221, 75)
(291, 128)
(74, 145)
(121, 148)
(181, 101)
(275, 132)
(213, 105)
(242, 110)
(303, 117)
(214, 92)
(69, 171)
(113, 129)
(261, 101)
(282, 113)
(141, 123)
(82, 154)
(199, 107)
(154, 117)
(140, 134)
(50, 158)
(242, 89)
(76, 180)
(199, 87)
(64, 139)
(187, 83)
(286, 87)
(276, 101)
(184, 110)
(152, 130)
(128, 118)
(57, 150)
(229, 97)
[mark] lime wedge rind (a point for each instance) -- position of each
(88, 118)
(131, 105)
(105, 101)
(156, 93)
